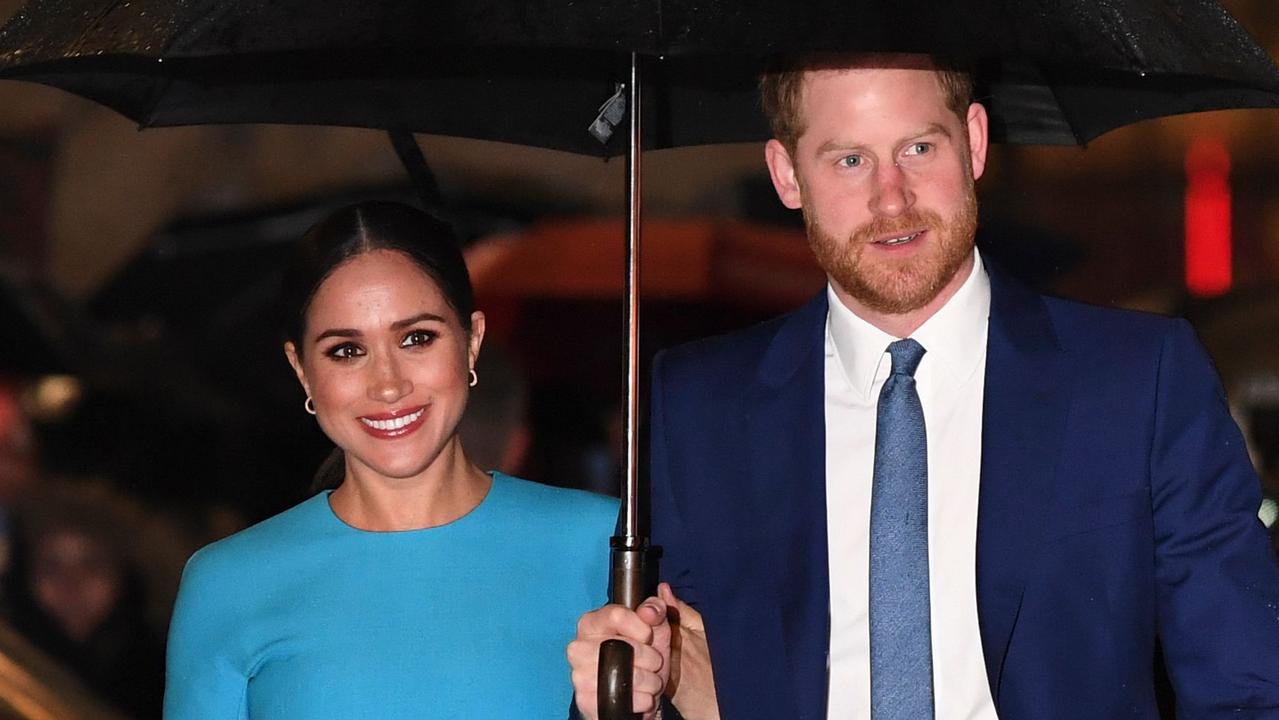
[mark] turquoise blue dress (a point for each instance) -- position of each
(303, 616)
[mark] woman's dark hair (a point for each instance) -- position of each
(357, 229)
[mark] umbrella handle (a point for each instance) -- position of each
(630, 564)
(615, 676)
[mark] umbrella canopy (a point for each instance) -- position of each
(541, 73)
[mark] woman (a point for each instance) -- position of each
(421, 587)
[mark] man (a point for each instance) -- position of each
(931, 492)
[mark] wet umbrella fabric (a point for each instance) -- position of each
(541, 73)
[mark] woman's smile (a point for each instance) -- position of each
(394, 424)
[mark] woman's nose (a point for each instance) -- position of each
(389, 383)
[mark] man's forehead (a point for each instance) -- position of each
(869, 70)
(845, 61)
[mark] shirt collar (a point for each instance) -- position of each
(954, 337)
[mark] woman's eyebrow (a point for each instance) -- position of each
(338, 332)
(420, 317)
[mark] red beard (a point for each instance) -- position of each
(897, 287)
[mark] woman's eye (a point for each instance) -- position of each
(345, 351)
(851, 161)
(418, 337)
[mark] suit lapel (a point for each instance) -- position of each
(1027, 395)
(786, 439)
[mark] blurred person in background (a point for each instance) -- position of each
(421, 586)
(79, 593)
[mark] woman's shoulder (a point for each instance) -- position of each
(264, 543)
(573, 525)
(530, 495)
(555, 511)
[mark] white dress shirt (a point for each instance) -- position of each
(950, 379)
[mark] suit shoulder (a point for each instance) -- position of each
(1081, 326)
(728, 354)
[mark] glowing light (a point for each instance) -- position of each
(1269, 512)
(1208, 244)
(53, 397)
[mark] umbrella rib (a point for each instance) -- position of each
(161, 88)
(76, 47)
(1120, 29)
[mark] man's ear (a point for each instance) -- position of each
(781, 168)
(978, 138)
(291, 352)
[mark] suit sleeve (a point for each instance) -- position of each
(202, 679)
(1217, 577)
(669, 532)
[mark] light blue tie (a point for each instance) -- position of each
(901, 657)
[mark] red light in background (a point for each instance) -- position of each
(1208, 251)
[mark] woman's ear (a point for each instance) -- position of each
(291, 352)
(477, 338)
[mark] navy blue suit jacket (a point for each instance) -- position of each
(1117, 505)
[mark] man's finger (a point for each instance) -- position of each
(646, 688)
(686, 615)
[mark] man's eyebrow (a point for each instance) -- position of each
(834, 145)
(934, 129)
(929, 129)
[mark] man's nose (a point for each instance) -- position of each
(892, 192)
(388, 383)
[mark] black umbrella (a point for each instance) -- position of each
(538, 73)
(562, 74)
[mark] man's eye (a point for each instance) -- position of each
(920, 148)
(345, 351)
(851, 161)
(418, 337)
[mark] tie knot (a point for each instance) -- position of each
(906, 356)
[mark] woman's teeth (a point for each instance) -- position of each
(393, 424)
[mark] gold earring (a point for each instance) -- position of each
(309, 405)
(475, 379)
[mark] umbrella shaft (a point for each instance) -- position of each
(634, 222)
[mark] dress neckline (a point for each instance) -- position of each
(467, 518)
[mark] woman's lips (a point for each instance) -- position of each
(393, 424)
